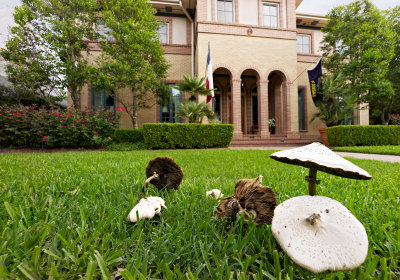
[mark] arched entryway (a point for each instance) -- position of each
(222, 104)
(277, 103)
(249, 101)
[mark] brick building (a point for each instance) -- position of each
(259, 50)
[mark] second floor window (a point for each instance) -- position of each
(303, 43)
(102, 30)
(163, 33)
(225, 10)
(270, 15)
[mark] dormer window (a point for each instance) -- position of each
(225, 10)
(163, 33)
(270, 15)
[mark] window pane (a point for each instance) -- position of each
(306, 49)
(225, 11)
(228, 17)
(163, 33)
(270, 15)
(169, 111)
(301, 106)
(103, 30)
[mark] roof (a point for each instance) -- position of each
(310, 20)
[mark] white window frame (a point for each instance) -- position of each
(301, 50)
(219, 19)
(167, 34)
(264, 16)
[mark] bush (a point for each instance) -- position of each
(170, 136)
(128, 135)
(363, 135)
(126, 146)
(29, 127)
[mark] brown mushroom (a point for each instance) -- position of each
(164, 173)
(251, 198)
(318, 157)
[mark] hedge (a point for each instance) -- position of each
(186, 135)
(128, 135)
(363, 135)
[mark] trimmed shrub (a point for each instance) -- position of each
(186, 135)
(31, 128)
(363, 135)
(128, 135)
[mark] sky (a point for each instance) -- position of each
(317, 7)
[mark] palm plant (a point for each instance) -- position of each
(195, 112)
(337, 105)
(193, 85)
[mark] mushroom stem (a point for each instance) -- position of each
(312, 181)
(312, 218)
(155, 175)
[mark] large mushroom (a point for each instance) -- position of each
(164, 173)
(318, 157)
(318, 233)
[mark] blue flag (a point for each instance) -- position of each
(314, 76)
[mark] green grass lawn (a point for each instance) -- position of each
(48, 232)
(384, 150)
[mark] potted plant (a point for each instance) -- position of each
(272, 125)
(254, 129)
(337, 106)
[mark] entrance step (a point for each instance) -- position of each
(256, 142)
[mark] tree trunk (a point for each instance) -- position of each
(75, 96)
(134, 109)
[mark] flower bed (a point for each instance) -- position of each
(31, 128)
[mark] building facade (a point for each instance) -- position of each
(260, 51)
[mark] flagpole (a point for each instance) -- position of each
(305, 69)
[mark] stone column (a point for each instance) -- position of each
(236, 108)
(262, 92)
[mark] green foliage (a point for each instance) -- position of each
(128, 135)
(363, 135)
(195, 112)
(359, 42)
(63, 216)
(337, 105)
(134, 58)
(170, 136)
(383, 150)
(46, 51)
(54, 128)
(126, 146)
(193, 85)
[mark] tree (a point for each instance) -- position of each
(337, 106)
(46, 51)
(394, 68)
(359, 42)
(196, 112)
(134, 58)
(194, 86)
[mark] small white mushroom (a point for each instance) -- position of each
(146, 208)
(214, 193)
(319, 233)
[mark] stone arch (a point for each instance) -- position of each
(279, 99)
(223, 75)
(250, 67)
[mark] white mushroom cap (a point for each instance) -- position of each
(214, 193)
(321, 158)
(146, 208)
(319, 233)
